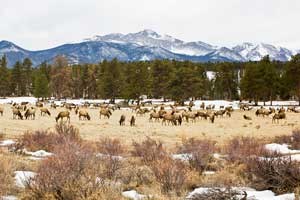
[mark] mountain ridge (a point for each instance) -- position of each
(142, 46)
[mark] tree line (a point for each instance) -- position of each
(263, 80)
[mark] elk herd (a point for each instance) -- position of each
(165, 114)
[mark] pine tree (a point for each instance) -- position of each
(4, 77)
(16, 79)
(41, 84)
(293, 76)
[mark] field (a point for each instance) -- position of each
(131, 163)
(96, 128)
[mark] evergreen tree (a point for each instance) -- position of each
(4, 77)
(16, 80)
(293, 76)
(41, 84)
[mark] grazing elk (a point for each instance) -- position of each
(39, 104)
(1, 111)
(63, 114)
(30, 112)
(155, 115)
(263, 112)
(83, 114)
(105, 112)
(247, 117)
(202, 115)
(122, 120)
(278, 116)
(45, 111)
(17, 113)
(220, 113)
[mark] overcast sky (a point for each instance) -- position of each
(40, 24)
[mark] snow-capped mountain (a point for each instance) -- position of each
(144, 45)
(256, 52)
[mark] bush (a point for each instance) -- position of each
(74, 172)
(171, 174)
(293, 140)
(110, 147)
(279, 174)
(240, 148)
(149, 150)
(48, 140)
(6, 175)
(201, 153)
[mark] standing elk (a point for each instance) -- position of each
(17, 113)
(63, 114)
(30, 112)
(122, 120)
(132, 121)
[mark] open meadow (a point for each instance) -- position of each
(223, 128)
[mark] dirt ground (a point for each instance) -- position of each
(96, 128)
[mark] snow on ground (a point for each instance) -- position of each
(251, 194)
(31, 100)
(208, 172)
(182, 157)
(280, 148)
(39, 153)
(9, 197)
(23, 177)
(106, 155)
(134, 195)
(7, 142)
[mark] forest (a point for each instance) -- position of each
(263, 80)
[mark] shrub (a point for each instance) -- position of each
(279, 174)
(74, 172)
(48, 140)
(293, 140)
(240, 148)
(171, 174)
(149, 150)
(6, 175)
(110, 147)
(201, 153)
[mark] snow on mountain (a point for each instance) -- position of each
(142, 46)
(256, 52)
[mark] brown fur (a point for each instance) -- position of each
(63, 114)
(84, 114)
(122, 120)
(132, 121)
(105, 112)
(45, 111)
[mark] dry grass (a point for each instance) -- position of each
(222, 129)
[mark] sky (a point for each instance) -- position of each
(42, 24)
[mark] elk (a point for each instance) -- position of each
(132, 121)
(63, 114)
(105, 112)
(122, 120)
(278, 116)
(247, 117)
(17, 113)
(45, 111)
(30, 112)
(83, 114)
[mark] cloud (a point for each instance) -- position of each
(37, 24)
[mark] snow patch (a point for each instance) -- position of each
(280, 148)
(23, 177)
(134, 195)
(251, 194)
(7, 142)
